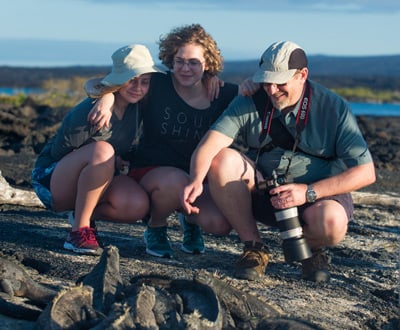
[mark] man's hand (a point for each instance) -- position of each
(288, 195)
(189, 196)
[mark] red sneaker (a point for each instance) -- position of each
(83, 241)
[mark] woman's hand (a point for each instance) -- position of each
(213, 84)
(248, 87)
(101, 112)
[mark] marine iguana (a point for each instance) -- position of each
(20, 296)
(15, 281)
(105, 279)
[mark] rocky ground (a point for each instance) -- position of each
(363, 292)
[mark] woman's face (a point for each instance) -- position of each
(189, 64)
(135, 89)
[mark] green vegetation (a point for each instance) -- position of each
(364, 94)
(14, 100)
(68, 92)
(62, 92)
(57, 93)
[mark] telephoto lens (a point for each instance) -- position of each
(295, 246)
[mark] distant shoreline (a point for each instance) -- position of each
(347, 76)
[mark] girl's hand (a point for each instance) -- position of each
(101, 112)
(213, 84)
(248, 87)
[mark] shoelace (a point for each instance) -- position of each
(190, 231)
(159, 236)
(253, 254)
(88, 234)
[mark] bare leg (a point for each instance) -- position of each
(231, 178)
(123, 201)
(80, 179)
(210, 218)
(164, 185)
(326, 224)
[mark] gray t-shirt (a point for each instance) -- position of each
(76, 131)
(330, 142)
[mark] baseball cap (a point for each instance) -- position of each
(279, 63)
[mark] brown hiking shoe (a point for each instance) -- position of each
(252, 262)
(316, 268)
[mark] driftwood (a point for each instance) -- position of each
(364, 198)
(11, 195)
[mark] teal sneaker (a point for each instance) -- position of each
(157, 242)
(193, 241)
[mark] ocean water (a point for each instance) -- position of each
(15, 91)
(376, 109)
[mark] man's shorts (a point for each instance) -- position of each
(263, 211)
(41, 184)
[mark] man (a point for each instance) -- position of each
(298, 129)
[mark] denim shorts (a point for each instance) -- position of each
(41, 184)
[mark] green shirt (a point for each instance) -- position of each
(330, 143)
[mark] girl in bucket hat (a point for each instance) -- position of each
(78, 169)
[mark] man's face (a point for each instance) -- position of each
(286, 95)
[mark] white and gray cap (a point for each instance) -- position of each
(279, 63)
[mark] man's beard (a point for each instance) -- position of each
(281, 105)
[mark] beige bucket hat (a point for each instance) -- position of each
(128, 62)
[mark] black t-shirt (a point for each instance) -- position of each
(172, 128)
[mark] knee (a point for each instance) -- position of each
(329, 231)
(226, 162)
(136, 208)
(215, 227)
(167, 184)
(132, 206)
(103, 152)
(335, 230)
(327, 226)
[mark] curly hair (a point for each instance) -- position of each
(190, 34)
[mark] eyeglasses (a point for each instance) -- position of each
(192, 63)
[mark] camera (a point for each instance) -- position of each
(295, 247)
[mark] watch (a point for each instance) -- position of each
(311, 196)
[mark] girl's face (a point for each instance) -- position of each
(135, 89)
(189, 64)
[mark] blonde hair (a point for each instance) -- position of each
(190, 34)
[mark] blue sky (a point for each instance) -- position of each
(242, 28)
